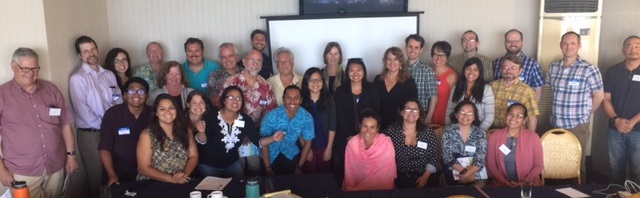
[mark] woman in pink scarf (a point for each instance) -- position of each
(515, 153)
(369, 157)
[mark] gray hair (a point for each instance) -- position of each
(283, 50)
(23, 52)
(225, 45)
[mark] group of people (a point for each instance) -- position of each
(169, 121)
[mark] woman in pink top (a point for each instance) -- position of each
(515, 153)
(370, 161)
(446, 78)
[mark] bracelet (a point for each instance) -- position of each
(463, 171)
(71, 153)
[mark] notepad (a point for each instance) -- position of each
(213, 183)
(572, 192)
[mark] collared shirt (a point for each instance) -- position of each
(258, 100)
(301, 125)
(572, 89)
(531, 72)
(198, 81)
(31, 131)
(267, 66)
(92, 93)
(146, 72)
(278, 87)
(453, 147)
(216, 80)
(119, 134)
(426, 83)
(624, 87)
(517, 93)
(457, 63)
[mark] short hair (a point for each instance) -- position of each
(291, 87)
(443, 46)
(225, 45)
(513, 58)
(569, 33)
(403, 74)
(84, 39)
(369, 113)
(525, 111)
(142, 82)
(192, 40)
(415, 37)
(629, 38)
(454, 119)
(258, 31)
(327, 49)
(162, 79)
(474, 33)
(23, 52)
(152, 43)
(283, 50)
(513, 30)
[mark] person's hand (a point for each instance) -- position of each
(113, 179)
(298, 171)
(422, 181)
(269, 171)
(278, 136)
(6, 178)
(200, 126)
(180, 178)
(467, 177)
(327, 154)
(72, 164)
(513, 184)
(629, 125)
(310, 157)
(622, 125)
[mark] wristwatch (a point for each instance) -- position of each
(72, 153)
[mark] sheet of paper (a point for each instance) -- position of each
(572, 192)
(465, 162)
(213, 183)
(7, 194)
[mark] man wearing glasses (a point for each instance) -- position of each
(93, 90)
(531, 72)
(510, 90)
(258, 100)
(37, 139)
(286, 76)
(470, 43)
(121, 127)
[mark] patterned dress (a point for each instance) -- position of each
(171, 158)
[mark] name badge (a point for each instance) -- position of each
(636, 78)
(521, 78)
(574, 82)
(438, 82)
(124, 131)
(422, 145)
(54, 111)
(504, 149)
(470, 149)
(263, 102)
(238, 123)
(203, 85)
(115, 97)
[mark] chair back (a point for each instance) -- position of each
(439, 130)
(562, 155)
(490, 131)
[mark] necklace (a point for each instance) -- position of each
(513, 139)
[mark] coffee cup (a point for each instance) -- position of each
(195, 194)
(215, 194)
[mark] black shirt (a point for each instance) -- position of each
(624, 90)
(348, 108)
(119, 133)
(392, 99)
(213, 152)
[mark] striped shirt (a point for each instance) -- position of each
(572, 89)
(531, 72)
(517, 93)
(426, 82)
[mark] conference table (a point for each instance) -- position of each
(325, 185)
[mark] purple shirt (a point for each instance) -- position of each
(32, 137)
(92, 93)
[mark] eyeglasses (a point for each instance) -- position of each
(254, 61)
(516, 115)
(463, 113)
(121, 61)
(27, 69)
(133, 92)
(514, 67)
(411, 110)
(317, 80)
(468, 40)
(439, 55)
(239, 99)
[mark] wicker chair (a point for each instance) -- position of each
(490, 131)
(562, 155)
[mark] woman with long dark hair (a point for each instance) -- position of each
(118, 62)
(472, 87)
(320, 104)
(166, 150)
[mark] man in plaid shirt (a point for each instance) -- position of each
(424, 75)
(531, 72)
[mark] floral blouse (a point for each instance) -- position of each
(453, 147)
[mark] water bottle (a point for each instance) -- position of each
(253, 188)
(20, 189)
